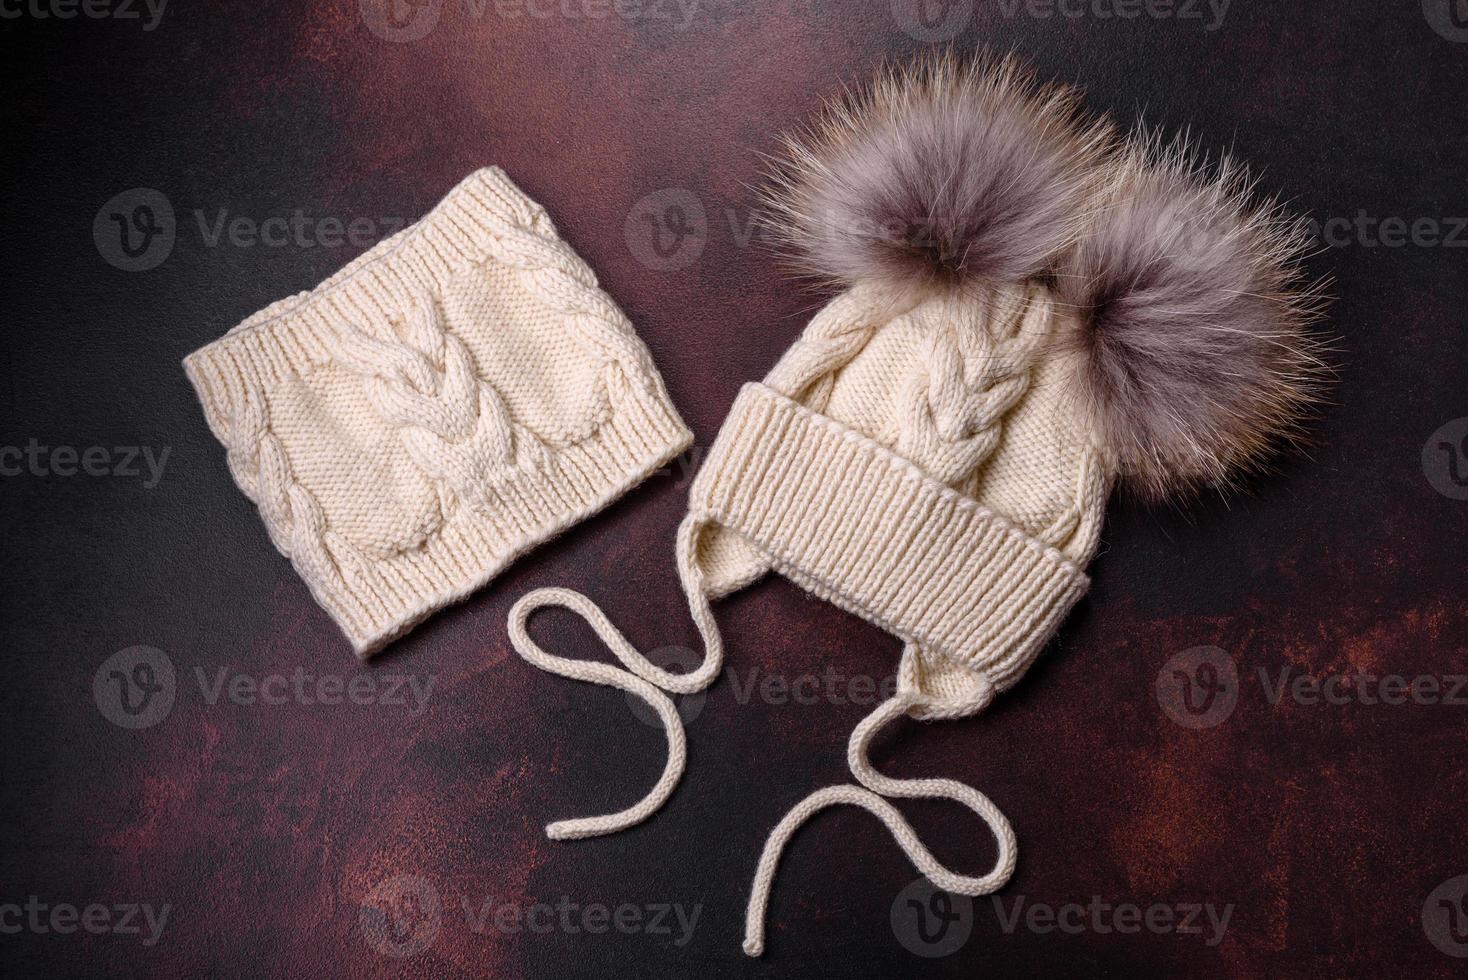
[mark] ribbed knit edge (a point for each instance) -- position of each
(292, 335)
(382, 599)
(866, 529)
(376, 600)
(474, 546)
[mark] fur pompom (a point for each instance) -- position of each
(1196, 352)
(949, 172)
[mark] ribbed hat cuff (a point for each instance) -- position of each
(867, 530)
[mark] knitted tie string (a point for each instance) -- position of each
(638, 676)
(866, 796)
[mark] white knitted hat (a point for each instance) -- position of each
(455, 396)
(1033, 311)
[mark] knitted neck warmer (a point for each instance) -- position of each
(1034, 311)
(450, 399)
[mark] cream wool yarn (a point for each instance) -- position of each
(455, 396)
(1033, 312)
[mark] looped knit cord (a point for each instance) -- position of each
(950, 417)
(867, 796)
(606, 674)
(647, 681)
(641, 677)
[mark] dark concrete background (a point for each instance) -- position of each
(266, 828)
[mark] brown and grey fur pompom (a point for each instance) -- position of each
(1183, 299)
(1193, 323)
(944, 173)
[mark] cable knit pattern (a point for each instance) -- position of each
(951, 410)
(448, 400)
(292, 516)
(453, 423)
(835, 335)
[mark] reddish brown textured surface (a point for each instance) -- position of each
(267, 828)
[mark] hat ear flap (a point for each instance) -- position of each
(1196, 354)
